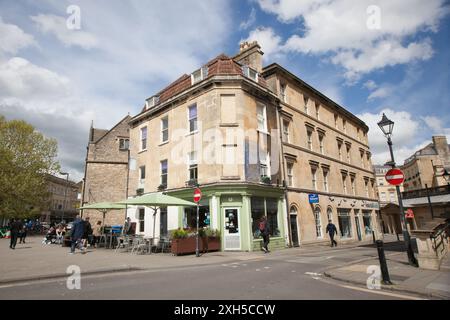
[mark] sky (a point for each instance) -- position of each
(64, 64)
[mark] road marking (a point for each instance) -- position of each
(313, 274)
(258, 269)
(402, 296)
(266, 267)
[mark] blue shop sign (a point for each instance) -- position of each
(313, 198)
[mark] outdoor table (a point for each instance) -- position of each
(149, 243)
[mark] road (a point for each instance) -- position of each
(273, 276)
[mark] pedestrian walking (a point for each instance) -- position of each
(332, 231)
(76, 236)
(87, 236)
(265, 233)
(15, 228)
(23, 233)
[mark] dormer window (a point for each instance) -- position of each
(250, 73)
(151, 102)
(199, 75)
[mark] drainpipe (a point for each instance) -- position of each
(282, 165)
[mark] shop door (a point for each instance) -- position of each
(358, 229)
(232, 238)
(294, 231)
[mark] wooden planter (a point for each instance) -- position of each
(188, 245)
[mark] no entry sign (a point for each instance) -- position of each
(197, 195)
(395, 177)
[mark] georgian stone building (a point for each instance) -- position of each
(106, 170)
(258, 141)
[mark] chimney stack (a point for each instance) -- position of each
(250, 54)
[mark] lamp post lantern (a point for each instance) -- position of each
(65, 193)
(386, 125)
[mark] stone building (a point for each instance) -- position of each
(106, 170)
(63, 200)
(259, 141)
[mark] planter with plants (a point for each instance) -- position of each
(185, 242)
(266, 179)
(162, 187)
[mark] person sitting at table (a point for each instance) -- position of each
(96, 232)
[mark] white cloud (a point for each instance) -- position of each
(338, 29)
(267, 39)
(21, 79)
(406, 135)
(249, 22)
(436, 125)
(49, 23)
(379, 93)
(370, 84)
(12, 38)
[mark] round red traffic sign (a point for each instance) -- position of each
(197, 195)
(395, 177)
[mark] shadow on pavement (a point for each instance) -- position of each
(395, 246)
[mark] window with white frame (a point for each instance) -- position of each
(144, 138)
(263, 165)
(318, 222)
(344, 183)
(306, 101)
(283, 92)
(330, 214)
(261, 117)
(192, 118)
(392, 196)
(290, 174)
(193, 165)
(286, 131)
(321, 136)
(165, 129)
(309, 138)
(199, 75)
(141, 219)
(352, 180)
(325, 179)
(151, 102)
(314, 178)
(124, 144)
(164, 172)
(383, 196)
(250, 73)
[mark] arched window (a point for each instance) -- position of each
(330, 214)
(293, 210)
(318, 222)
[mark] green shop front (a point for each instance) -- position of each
(235, 210)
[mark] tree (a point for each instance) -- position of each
(26, 158)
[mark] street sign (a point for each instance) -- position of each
(313, 198)
(197, 195)
(409, 213)
(395, 177)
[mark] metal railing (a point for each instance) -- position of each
(421, 193)
(439, 237)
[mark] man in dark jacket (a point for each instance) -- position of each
(332, 230)
(265, 233)
(76, 235)
(15, 229)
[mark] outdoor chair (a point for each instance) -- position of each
(163, 245)
(125, 242)
(139, 244)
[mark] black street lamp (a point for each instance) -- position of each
(386, 125)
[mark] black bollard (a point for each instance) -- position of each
(383, 264)
(373, 235)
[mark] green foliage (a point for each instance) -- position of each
(179, 234)
(26, 157)
(212, 232)
(266, 180)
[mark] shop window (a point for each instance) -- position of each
(265, 206)
(345, 225)
(367, 220)
(190, 215)
(318, 222)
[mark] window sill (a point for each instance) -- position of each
(141, 151)
(191, 133)
(163, 143)
(234, 124)
(262, 131)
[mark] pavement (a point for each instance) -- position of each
(404, 277)
(345, 264)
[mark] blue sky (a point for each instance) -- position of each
(393, 58)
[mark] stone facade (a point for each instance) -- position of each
(106, 171)
(242, 154)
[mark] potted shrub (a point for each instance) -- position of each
(192, 183)
(162, 187)
(266, 179)
(182, 242)
(213, 239)
(140, 191)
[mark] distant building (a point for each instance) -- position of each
(63, 200)
(106, 170)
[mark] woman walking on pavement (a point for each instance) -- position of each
(265, 232)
